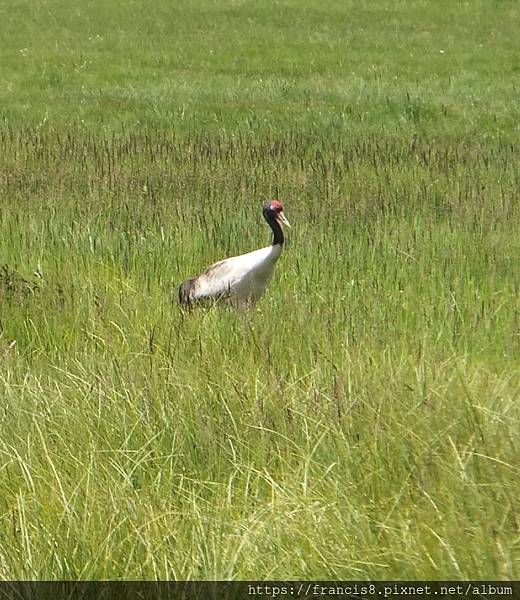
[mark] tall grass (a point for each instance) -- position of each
(361, 422)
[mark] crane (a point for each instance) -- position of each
(240, 279)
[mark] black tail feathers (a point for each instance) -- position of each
(185, 290)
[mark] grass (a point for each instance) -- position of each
(362, 421)
(212, 65)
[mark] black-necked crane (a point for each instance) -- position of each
(242, 279)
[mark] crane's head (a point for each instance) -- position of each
(274, 210)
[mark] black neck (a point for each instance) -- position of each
(270, 217)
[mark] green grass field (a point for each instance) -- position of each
(362, 421)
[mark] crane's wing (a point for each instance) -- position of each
(214, 283)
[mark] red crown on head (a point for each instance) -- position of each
(275, 205)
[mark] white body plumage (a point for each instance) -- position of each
(243, 277)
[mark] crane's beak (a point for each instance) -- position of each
(280, 217)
